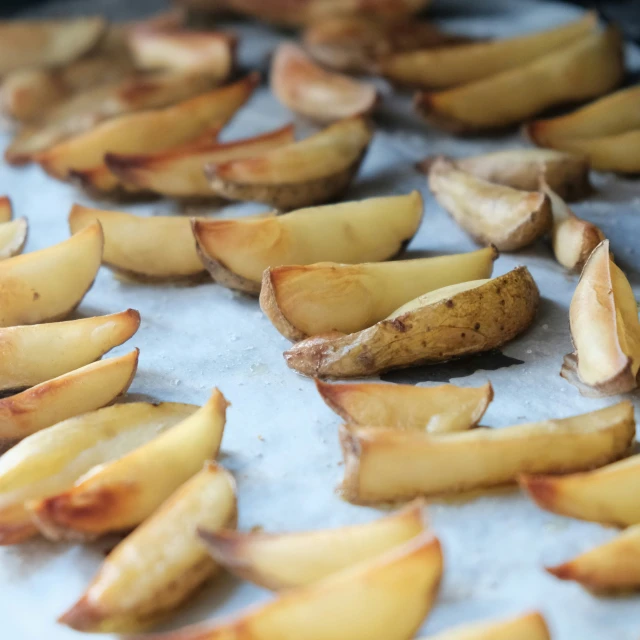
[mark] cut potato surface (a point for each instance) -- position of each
(530, 626)
(13, 236)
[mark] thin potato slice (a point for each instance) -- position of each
(6, 210)
(51, 461)
(150, 248)
(287, 560)
(441, 409)
(13, 236)
(170, 561)
(384, 597)
(448, 323)
(48, 285)
(123, 493)
(586, 68)
(237, 251)
(530, 626)
(309, 90)
(87, 389)
(508, 218)
(310, 172)
(607, 495)
(383, 465)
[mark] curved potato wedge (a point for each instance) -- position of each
(6, 210)
(150, 248)
(87, 389)
(309, 172)
(447, 323)
(442, 409)
(237, 251)
(383, 465)
(121, 494)
(604, 329)
(508, 218)
(307, 300)
(606, 495)
(171, 563)
(530, 626)
(287, 560)
(13, 236)
(50, 461)
(179, 173)
(585, 68)
(384, 597)
(309, 90)
(49, 284)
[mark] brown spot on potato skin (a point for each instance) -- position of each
(449, 304)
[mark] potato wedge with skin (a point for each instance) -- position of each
(150, 248)
(311, 91)
(121, 494)
(50, 461)
(307, 300)
(384, 465)
(442, 409)
(87, 389)
(170, 561)
(179, 173)
(584, 69)
(530, 626)
(287, 560)
(237, 251)
(384, 597)
(305, 173)
(48, 284)
(13, 236)
(448, 323)
(6, 210)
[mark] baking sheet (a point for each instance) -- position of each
(281, 440)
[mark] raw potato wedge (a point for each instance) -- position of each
(384, 597)
(149, 248)
(604, 329)
(442, 409)
(448, 323)
(383, 465)
(284, 561)
(237, 251)
(170, 561)
(495, 214)
(530, 626)
(612, 567)
(51, 461)
(586, 68)
(13, 236)
(607, 495)
(179, 173)
(48, 285)
(33, 354)
(307, 300)
(309, 90)
(310, 172)
(6, 210)
(87, 389)
(121, 494)
(460, 65)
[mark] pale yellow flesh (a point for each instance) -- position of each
(13, 236)
(530, 626)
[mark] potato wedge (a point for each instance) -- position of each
(530, 626)
(13, 236)
(287, 560)
(149, 248)
(47, 43)
(311, 91)
(442, 409)
(170, 561)
(604, 329)
(71, 394)
(51, 461)
(32, 354)
(48, 285)
(123, 493)
(237, 251)
(179, 173)
(307, 300)
(6, 210)
(508, 218)
(383, 465)
(606, 495)
(586, 68)
(312, 171)
(384, 597)
(447, 323)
